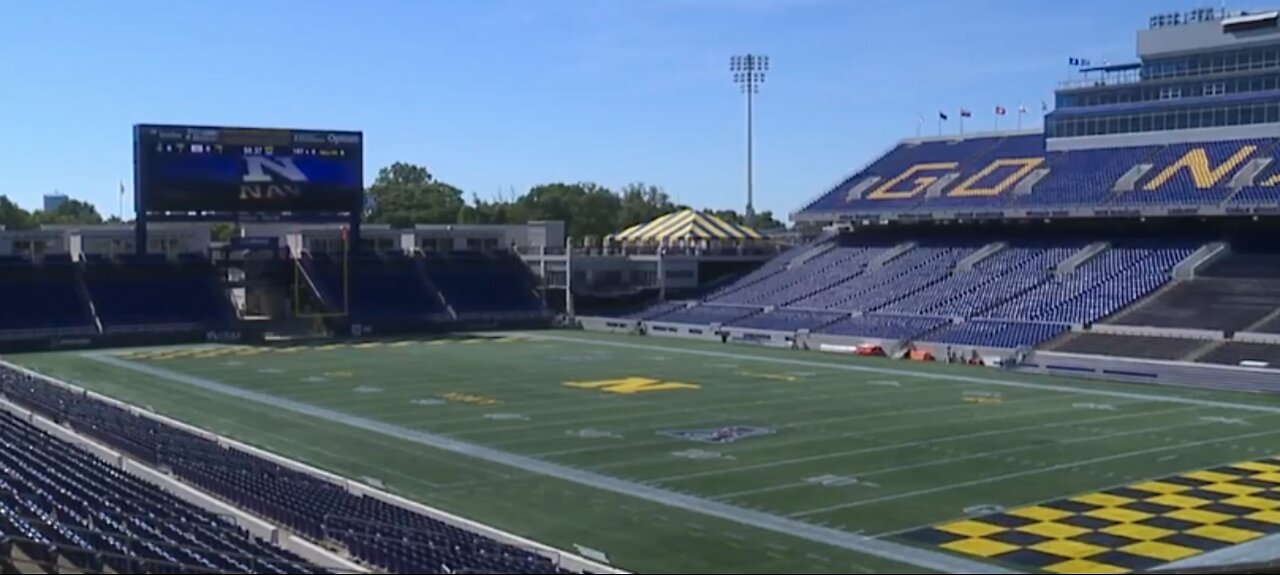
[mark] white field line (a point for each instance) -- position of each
(928, 559)
(933, 376)
(697, 409)
(1027, 473)
(861, 451)
(401, 390)
(775, 444)
(986, 454)
(762, 446)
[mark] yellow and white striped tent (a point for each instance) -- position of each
(686, 225)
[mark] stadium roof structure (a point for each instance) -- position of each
(687, 225)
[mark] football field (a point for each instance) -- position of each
(674, 456)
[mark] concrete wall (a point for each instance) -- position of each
(1153, 372)
(1186, 38)
(1204, 334)
(681, 330)
(608, 324)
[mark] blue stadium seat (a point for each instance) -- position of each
(42, 299)
(473, 282)
(150, 293)
(60, 504)
(98, 504)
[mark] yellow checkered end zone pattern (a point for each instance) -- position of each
(206, 352)
(1134, 528)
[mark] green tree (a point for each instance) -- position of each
(642, 203)
(12, 216)
(406, 194)
(222, 231)
(587, 209)
(70, 212)
(766, 221)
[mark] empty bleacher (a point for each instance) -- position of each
(151, 293)
(42, 299)
(1011, 298)
(1196, 184)
(788, 320)
(1237, 353)
(1178, 175)
(1146, 347)
(61, 506)
(377, 533)
(1233, 293)
(484, 283)
(996, 333)
(895, 327)
(373, 286)
(1083, 177)
(707, 314)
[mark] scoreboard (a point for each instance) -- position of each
(184, 170)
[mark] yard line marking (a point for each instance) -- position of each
(1019, 474)
(774, 444)
(839, 454)
(926, 375)
(981, 455)
(761, 446)
(927, 559)
(632, 415)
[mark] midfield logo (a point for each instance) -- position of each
(720, 435)
(259, 185)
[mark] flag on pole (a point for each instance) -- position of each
(122, 188)
(1000, 111)
(1022, 108)
(943, 116)
(1044, 106)
(966, 113)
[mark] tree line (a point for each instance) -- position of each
(70, 212)
(405, 194)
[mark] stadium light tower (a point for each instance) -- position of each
(748, 73)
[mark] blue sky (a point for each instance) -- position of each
(500, 94)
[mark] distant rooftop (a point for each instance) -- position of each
(1202, 15)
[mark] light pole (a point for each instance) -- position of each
(748, 73)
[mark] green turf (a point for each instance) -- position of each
(921, 448)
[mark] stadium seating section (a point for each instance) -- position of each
(43, 298)
(1010, 295)
(129, 294)
(60, 502)
(484, 283)
(1236, 353)
(59, 505)
(985, 173)
(150, 293)
(374, 286)
(1146, 347)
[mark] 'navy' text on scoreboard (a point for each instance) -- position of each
(207, 169)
